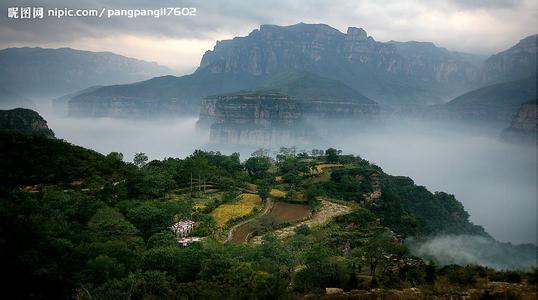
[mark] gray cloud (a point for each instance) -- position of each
(486, 3)
(474, 26)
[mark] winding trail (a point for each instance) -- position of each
(239, 233)
(325, 213)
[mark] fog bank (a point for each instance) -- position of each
(159, 139)
(466, 249)
(495, 181)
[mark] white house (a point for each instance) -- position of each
(183, 228)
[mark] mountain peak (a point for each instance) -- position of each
(357, 34)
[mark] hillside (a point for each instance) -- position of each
(309, 87)
(81, 223)
(498, 102)
(43, 72)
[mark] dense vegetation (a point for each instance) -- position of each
(75, 223)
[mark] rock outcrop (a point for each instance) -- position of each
(253, 119)
(524, 124)
(24, 121)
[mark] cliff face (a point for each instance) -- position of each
(253, 119)
(400, 76)
(382, 71)
(524, 124)
(25, 121)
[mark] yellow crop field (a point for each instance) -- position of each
(277, 193)
(241, 207)
(319, 168)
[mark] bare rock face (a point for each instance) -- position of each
(25, 121)
(253, 119)
(524, 124)
(385, 72)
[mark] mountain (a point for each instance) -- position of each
(498, 102)
(388, 73)
(254, 118)
(317, 97)
(10, 100)
(160, 96)
(24, 121)
(42, 72)
(524, 125)
(518, 62)
(393, 73)
(60, 104)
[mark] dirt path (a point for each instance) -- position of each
(325, 213)
(239, 233)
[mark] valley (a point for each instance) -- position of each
(291, 161)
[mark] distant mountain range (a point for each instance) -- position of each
(9, 99)
(352, 65)
(40, 72)
(313, 63)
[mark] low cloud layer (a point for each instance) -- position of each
(465, 250)
(474, 26)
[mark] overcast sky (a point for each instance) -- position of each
(478, 26)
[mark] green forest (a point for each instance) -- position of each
(76, 224)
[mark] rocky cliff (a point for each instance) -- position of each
(392, 73)
(524, 125)
(25, 121)
(400, 76)
(385, 72)
(253, 119)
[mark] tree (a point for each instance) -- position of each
(332, 155)
(140, 159)
(149, 218)
(264, 190)
(257, 165)
(261, 152)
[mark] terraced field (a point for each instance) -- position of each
(321, 167)
(277, 193)
(325, 213)
(241, 207)
(284, 212)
